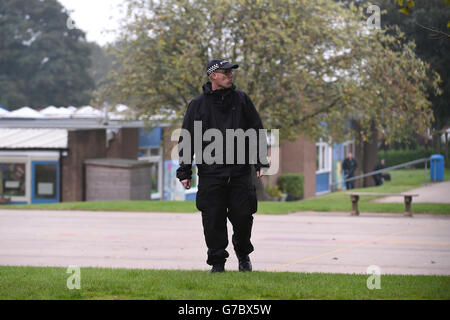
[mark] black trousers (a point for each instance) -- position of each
(219, 198)
(378, 179)
(350, 184)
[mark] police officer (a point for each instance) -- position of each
(349, 166)
(225, 190)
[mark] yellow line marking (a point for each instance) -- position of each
(360, 244)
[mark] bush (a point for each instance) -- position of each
(273, 191)
(292, 184)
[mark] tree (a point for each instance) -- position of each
(425, 24)
(102, 63)
(408, 5)
(307, 65)
(42, 61)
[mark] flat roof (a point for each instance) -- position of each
(33, 138)
(117, 162)
(85, 117)
(74, 124)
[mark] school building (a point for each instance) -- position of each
(69, 154)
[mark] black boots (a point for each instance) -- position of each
(245, 264)
(217, 268)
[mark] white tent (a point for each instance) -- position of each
(24, 112)
(3, 112)
(117, 112)
(87, 112)
(62, 112)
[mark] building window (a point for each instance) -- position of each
(46, 181)
(12, 178)
(323, 153)
(155, 177)
(154, 155)
(149, 152)
(349, 146)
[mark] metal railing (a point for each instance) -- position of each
(402, 165)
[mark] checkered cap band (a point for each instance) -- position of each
(212, 68)
(219, 63)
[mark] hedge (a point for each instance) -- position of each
(395, 157)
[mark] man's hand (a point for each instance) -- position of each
(259, 174)
(186, 183)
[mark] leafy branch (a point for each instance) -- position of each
(407, 8)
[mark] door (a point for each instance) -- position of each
(45, 181)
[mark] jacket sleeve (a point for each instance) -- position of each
(344, 165)
(254, 122)
(185, 170)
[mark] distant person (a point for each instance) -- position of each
(349, 166)
(379, 177)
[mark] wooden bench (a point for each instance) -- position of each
(354, 197)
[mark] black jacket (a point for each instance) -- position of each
(349, 166)
(220, 109)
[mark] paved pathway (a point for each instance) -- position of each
(431, 193)
(301, 242)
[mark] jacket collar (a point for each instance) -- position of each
(207, 89)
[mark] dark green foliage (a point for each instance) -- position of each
(292, 184)
(102, 63)
(42, 61)
(395, 157)
(426, 25)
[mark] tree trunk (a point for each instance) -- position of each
(447, 164)
(437, 142)
(358, 153)
(370, 153)
(370, 156)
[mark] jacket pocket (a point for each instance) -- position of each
(200, 198)
(253, 201)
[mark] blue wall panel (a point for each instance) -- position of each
(150, 138)
(322, 182)
(191, 196)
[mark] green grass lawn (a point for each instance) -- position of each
(136, 206)
(402, 180)
(102, 283)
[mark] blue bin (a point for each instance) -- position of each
(437, 167)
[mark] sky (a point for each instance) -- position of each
(96, 17)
